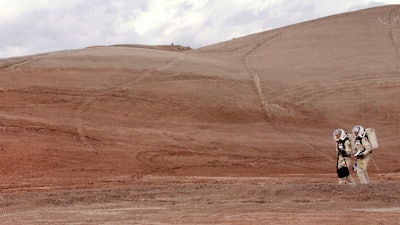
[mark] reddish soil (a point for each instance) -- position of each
(233, 133)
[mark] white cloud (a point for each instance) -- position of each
(29, 27)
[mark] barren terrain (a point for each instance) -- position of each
(239, 132)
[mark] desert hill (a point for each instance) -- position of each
(263, 105)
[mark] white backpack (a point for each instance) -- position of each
(371, 135)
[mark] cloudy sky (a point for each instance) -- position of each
(37, 26)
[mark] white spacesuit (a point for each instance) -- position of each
(363, 153)
(343, 150)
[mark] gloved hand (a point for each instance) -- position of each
(360, 156)
(343, 152)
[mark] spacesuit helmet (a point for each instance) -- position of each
(339, 134)
(358, 131)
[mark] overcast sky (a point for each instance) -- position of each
(38, 26)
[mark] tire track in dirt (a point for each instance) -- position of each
(394, 21)
(267, 106)
(153, 159)
(305, 93)
(256, 81)
(308, 92)
(160, 160)
(391, 22)
(79, 123)
(87, 100)
(170, 159)
(302, 94)
(12, 63)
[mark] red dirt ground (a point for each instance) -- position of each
(233, 133)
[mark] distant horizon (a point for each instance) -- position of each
(195, 24)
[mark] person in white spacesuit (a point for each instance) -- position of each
(363, 152)
(343, 150)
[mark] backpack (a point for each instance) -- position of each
(371, 136)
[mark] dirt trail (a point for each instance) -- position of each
(257, 83)
(394, 20)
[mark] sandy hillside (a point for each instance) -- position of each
(239, 132)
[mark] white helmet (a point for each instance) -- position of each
(358, 131)
(339, 134)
